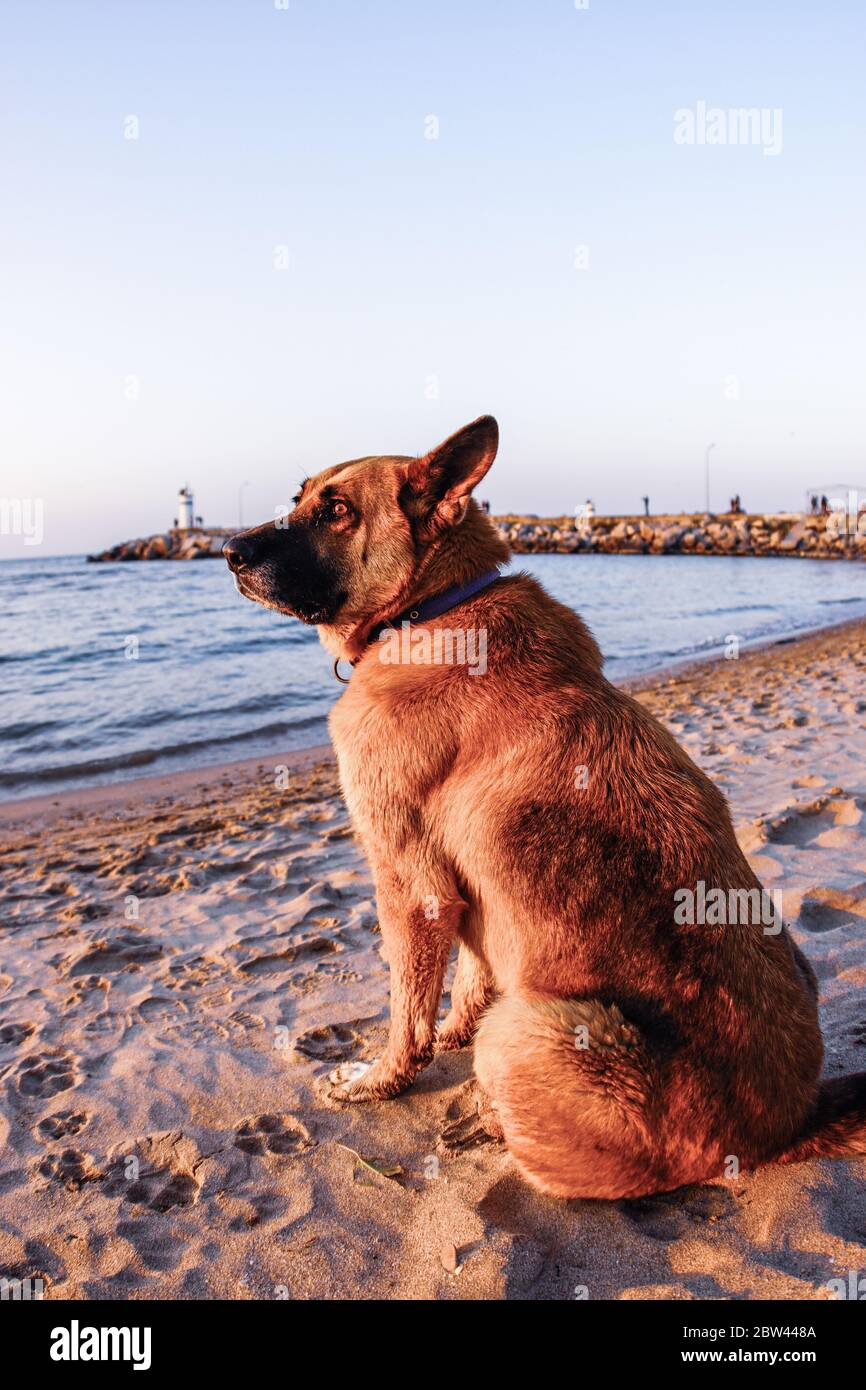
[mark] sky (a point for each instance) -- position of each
(242, 242)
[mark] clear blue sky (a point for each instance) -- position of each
(412, 259)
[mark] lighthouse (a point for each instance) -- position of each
(185, 509)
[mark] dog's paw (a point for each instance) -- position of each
(454, 1034)
(347, 1074)
(377, 1082)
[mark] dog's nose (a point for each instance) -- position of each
(238, 553)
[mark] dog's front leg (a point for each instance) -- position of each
(417, 934)
(471, 992)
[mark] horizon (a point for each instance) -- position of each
(248, 244)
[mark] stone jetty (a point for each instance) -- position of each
(191, 543)
(803, 537)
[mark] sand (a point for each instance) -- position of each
(185, 960)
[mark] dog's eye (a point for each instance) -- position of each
(338, 509)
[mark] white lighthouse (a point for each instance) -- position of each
(185, 509)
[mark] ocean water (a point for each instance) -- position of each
(113, 671)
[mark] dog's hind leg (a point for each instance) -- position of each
(577, 1094)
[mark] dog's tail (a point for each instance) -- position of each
(836, 1127)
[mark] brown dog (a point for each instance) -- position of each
(543, 821)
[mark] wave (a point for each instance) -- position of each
(25, 729)
(145, 757)
(202, 713)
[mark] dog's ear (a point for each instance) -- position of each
(438, 485)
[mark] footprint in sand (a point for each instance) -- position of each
(197, 973)
(43, 1074)
(123, 952)
(335, 1042)
(59, 888)
(63, 1125)
(71, 1167)
(154, 1009)
(275, 962)
(157, 1172)
(469, 1132)
(179, 1191)
(824, 909)
(89, 985)
(85, 912)
(829, 822)
(12, 1034)
(273, 1134)
(675, 1214)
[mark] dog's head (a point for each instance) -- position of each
(363, 533)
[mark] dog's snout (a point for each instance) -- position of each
(238, 553)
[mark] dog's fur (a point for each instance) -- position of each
(624, 1054)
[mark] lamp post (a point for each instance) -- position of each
(241, 505)
(710, 447)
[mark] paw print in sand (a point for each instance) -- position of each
(11, 1034)
(71, 1167)
(63, 1125)
(43, 1074)
(335, 1042)
(158, 1171)
(274, 1134)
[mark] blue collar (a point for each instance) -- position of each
(440, 603)
(434, 607)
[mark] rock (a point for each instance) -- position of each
(448, 1257)
(794, 537)
(157, 548)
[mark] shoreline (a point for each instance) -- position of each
(685, 667)
(152, 786)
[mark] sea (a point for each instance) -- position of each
(113, 671)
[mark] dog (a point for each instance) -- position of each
(542, 821)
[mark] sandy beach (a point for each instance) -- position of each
(186, 960)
